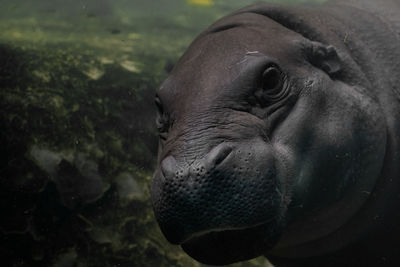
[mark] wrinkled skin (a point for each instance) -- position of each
(274, 142)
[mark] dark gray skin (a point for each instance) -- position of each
(279, 136)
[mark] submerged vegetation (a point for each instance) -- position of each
(78, 144)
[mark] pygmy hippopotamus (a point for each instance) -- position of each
(280, 136)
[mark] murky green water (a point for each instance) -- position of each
(78, 144)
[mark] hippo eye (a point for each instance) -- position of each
(272, 80)
(161, 120)
(272, 86)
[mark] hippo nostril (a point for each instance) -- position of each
(169, 166)
(219, 153)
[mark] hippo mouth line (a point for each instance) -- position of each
(217, 231)
(220, 247)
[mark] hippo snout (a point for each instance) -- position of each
(170, 167)
(228, 189)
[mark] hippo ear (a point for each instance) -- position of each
(324, 57)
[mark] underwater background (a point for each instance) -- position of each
(77, 142)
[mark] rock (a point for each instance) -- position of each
(79, 182)
(128, 188)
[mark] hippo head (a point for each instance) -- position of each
(266, 142)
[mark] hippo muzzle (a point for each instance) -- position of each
(217, 199)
